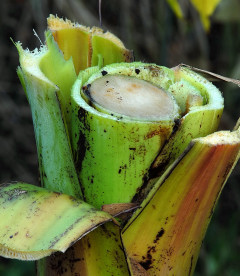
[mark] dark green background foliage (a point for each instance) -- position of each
(156, 35)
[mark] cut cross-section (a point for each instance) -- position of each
(132, 97)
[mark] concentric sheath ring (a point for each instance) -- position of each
(119, 157)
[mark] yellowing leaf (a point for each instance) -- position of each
(34, 222)
(205, 9)
(176, 8)
(85, 44)
(165, 235)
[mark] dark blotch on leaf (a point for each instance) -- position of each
(146, 264)
(191, 266)
(89, 245)
(159, 235)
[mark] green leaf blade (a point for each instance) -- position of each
(35, 222)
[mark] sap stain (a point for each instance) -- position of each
(82, 144)
(177, 124)
(81, 151)
(140, 192)
(75, 260)
(128, 56)
(146, 264)
(104, 73)
(121, 168)
(87, 92)
(159, 235)
(147, 260)
(88, 244)
(191, 266)
(137, 71)
(154, 70)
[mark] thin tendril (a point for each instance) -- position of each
(100, 12)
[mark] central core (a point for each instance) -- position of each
(132, 97)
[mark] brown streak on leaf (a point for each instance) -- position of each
(137, 269)
(117, 209)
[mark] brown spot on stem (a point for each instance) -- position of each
(104, 73)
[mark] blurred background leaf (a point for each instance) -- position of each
(205, 9)
(156, 34)
(176, 8)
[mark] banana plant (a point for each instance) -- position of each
(131, 165)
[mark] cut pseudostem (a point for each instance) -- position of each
(124, 117)
(118, 133)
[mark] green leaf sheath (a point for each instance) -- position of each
(112, 154)
(57, 170)
(101, 256)
(48, 78)
(198, 122)
(84, 45)
(165, 235)
(115, 155)
(61, 73)
(110, 48)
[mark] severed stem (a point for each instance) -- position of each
(132, 97)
